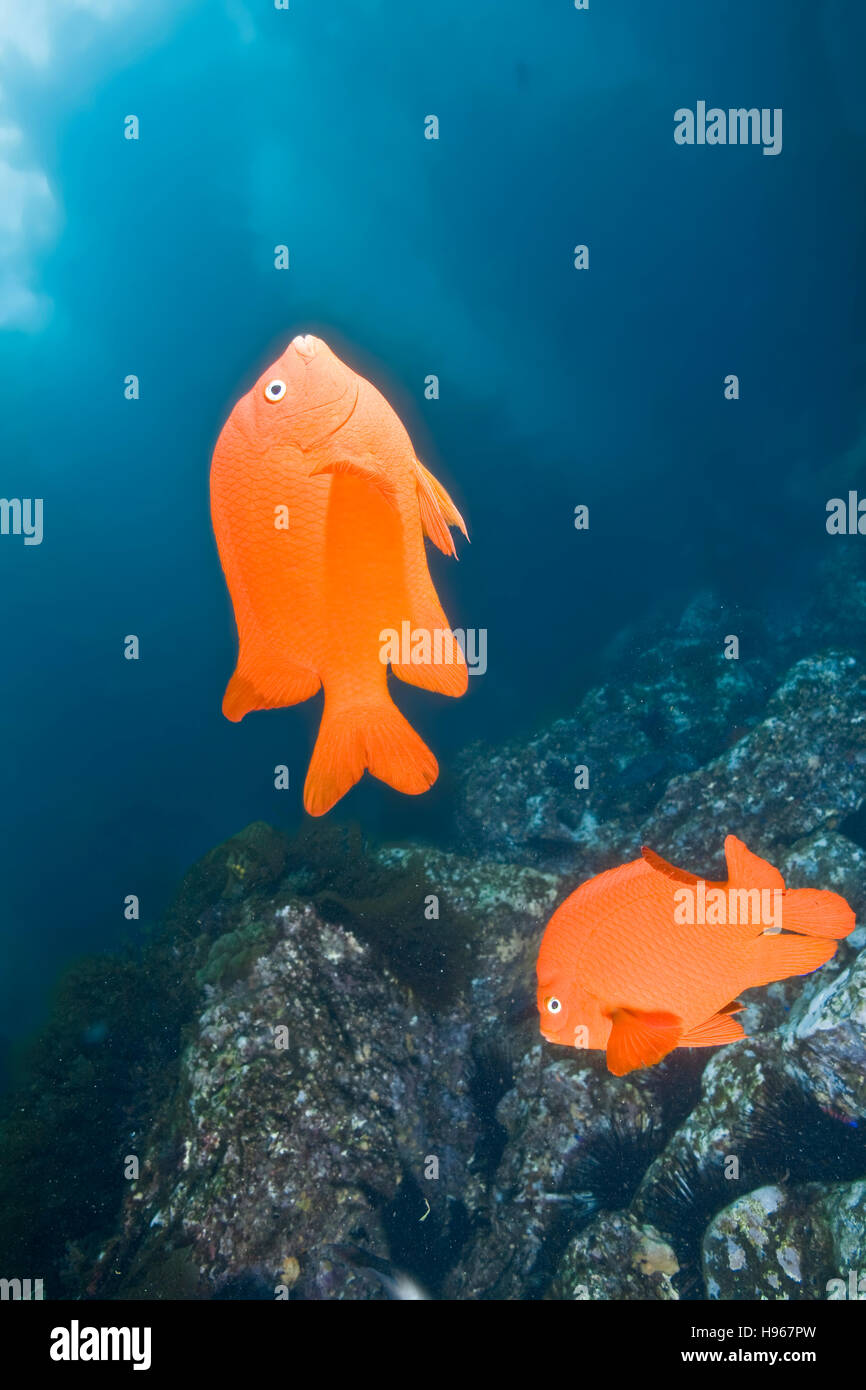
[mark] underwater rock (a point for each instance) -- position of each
(412, 1071)
(576, 1141)
(674, 705)
(784, 1105)
(402, 978)
(684, 746)
(788, 1244)
(510, 905)
(266, 1163)
(825, 1038)
(800, 770)
(616, 1258)
(254, 858)
(756, 1247)
(318, 1105)
(836, 615)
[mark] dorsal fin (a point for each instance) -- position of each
(438, 512)
(669, 870)
(747, 870)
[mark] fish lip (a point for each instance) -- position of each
(306, 345)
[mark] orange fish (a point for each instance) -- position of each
(319, 509)
(645, 958)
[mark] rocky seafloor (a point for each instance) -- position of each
(324, 1076)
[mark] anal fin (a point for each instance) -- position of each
(445, 671)
(721, 1028)
(446, 678)
(774, 958)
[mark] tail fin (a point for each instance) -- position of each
(817, 912)
(354, 739)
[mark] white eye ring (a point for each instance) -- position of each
(553, 1006)
(275, 390)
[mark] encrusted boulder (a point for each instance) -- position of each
(670, 706)
(574, 1141)
(802, 769)
(782, 1243)
(616, 1258)
(319, 1105)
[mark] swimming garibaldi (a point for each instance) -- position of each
(320, 509)
(646, 957)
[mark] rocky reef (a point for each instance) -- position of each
(324, 1078)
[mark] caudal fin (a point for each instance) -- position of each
(817, 912)
(354, 740)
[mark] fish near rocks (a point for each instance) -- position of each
(646, 957)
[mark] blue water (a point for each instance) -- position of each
(558, 387)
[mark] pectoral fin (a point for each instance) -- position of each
(363, 466)
(438, 512)
(640, 1039)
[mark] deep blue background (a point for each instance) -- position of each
(260, 127)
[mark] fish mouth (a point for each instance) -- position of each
(343, 393)
(563, 1037)
(306, 345)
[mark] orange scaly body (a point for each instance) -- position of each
(312, 599)
(620, 969)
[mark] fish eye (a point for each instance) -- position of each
(275, 390)
(553, 1005)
